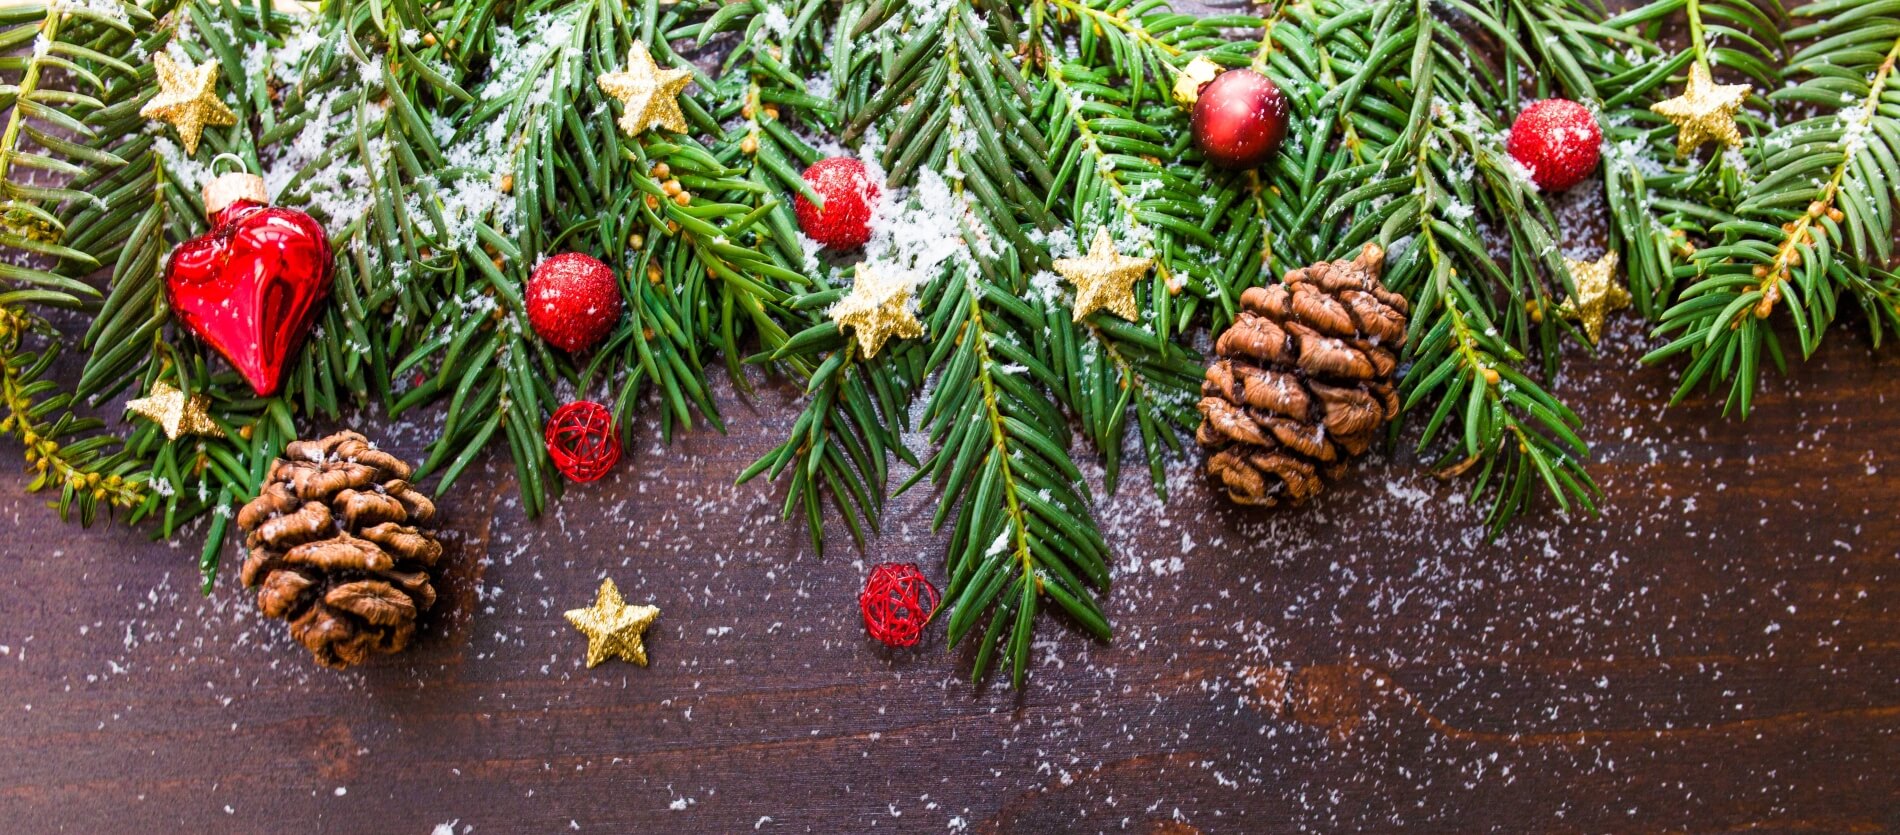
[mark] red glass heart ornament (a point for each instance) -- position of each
(251, 287)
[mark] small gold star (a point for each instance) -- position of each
(877, 310)
(1597, 294)
(1187, 85)
(174, 412)
(187, 98)
(1705, 111)
(1105, 279)
(612, 627)
(651, 94)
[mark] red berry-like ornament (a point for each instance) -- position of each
(848, 192)
(250, 287)
(1240, 119)
(582, 440)
(897, 601)
(1558, 141)
(573, 301)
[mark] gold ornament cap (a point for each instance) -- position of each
(226, 189)
(1194, 76)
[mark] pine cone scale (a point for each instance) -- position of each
(1303, 380)
(334, 550)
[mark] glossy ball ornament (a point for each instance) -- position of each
(849, 194)
(1557, 141)
(573, 301)
(582, 440)
(1240, 119)
(250, 287)
(897, 601)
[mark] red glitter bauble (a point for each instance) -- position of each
(897, 600)
(1239, 119)
(1558, 141)
(849, 194)
(582, 440)
(573, 301)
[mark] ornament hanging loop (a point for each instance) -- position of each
(236, 162)
(233, 186)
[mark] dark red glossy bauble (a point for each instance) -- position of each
(250, 287)
(1557, 141)
(849, 194)
(1240, 119)
(573, 301)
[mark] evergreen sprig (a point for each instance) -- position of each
(1815, 226)
(447, 148)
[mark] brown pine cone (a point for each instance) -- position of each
(1303, 380)
(333, 550)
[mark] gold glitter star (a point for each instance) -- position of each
(1597, 294)
(1187, 85)
(1105, 279)
(187, 98)
(877, 309)
(1704, 111)
(612, 627)
(174, 412)
(651, 94)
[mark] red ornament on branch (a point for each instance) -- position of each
(582, 440)
(250, 287)
(848, 192)
(897, 600)
(1558, 141)
(573, 301)
(1239, 119)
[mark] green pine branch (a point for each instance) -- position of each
(1023, 535)
(1816, 225)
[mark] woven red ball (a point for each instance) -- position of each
(582, 440)
(849, 193)
(897, 601)
(1240, 119)
(1558, 141)
(573, 301)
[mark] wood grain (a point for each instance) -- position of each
(1717, 651)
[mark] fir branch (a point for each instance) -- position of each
(1817, 223)
(1023, 531)
(58, 446)
(1422, 177)
(1109, 173)
(849, 426)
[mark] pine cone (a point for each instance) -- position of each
(334, 553)
(1303, 380)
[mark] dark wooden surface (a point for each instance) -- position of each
(1717, 651)
(1720, 650)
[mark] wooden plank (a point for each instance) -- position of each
(1717, 651)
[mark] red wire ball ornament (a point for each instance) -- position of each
(582, 441)
(897, 601)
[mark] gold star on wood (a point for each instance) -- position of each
(877, 310)
(1597, 294)
(650, 94)
(1105, 279)
(187, 98)
(612, 627)
(1705, 111)
(176, 413)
